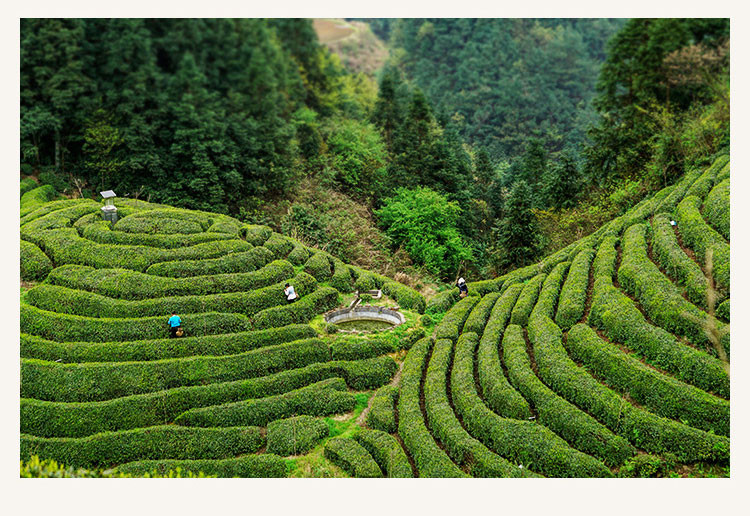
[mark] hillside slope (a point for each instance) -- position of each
(575, 366)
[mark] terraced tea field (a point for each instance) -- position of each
(610, 357)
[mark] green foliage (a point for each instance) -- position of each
(302, 311)
(480, 314)
(295, 435)
(35, 266)
(647, 466)
(382, 413)
(716, 208)
(387, 452)
(247, 466)
(430, 460)
(573, 295)
(319, 399)
(527, 300)
(35, 197)
(156, 442)
(242, 261)
(53, 419)
(424, 223)
(452, 324)
(49, 468)
(319, 266)
(352, 457)
(358, 156)
(61, 382)
(27, 184)
(518, 233)
(703, 239)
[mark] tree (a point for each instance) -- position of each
(101, 141)
(424, 223)
(562, 183)
(518, 234)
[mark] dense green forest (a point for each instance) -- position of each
(500, 126)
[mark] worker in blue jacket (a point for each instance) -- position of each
(174, 326)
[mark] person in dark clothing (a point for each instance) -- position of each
(174, 325)
(463, 288)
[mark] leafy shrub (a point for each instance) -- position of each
(647, 466)
(319, 399)
(34, 198)
(146, 223)
(497, 392)
(75, 328)
(431, 461)
(460, 446)
(382, 413)
(453, 322)
(158, 349)
(279, 245)
(342, 277)
(442, 301)
(35, 266)
(573, 295)
(480, 313)
(298, 312)
(156, 442)
(62, 382)
(255, 235)
(655, 391)
(244, 261)
(248, 466)
(357, 349)
(27, 184)
(723, 310)
(52, 419)
(295, 435)
(133, 285)
(716, 208)
(527, 300)
(352, 458)
(550, 291)
(79, 302)
(427, 320)
(701, 238)
(48, 468)
(706, 180)
(319, 267)
(101, 232)
(521, 442)
(558, 414)
(387, 452)
(299, 255)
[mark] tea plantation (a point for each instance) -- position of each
(608, 358)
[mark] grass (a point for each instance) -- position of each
(314, 464)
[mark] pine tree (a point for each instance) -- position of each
(518, 237)
(562, 183)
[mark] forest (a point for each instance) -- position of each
(501, 139)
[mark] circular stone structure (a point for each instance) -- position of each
(365, 313)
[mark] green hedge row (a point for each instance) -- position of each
(226, 225)
(256, 235)
(581, 430)
(158, 349)
(643, 429)
(522, 442)
(460, 446)
(101, 233)
(295, 435)
(27, 185)
(669, 204)
(279, 245)
(387, 452)
(352, 457)
(132, 285)
(78, 302)
(382, 412)
(357, 348)
(666, 250)
(156, 442)
(364, 280)
(661, 394)
(140, 223)
(701, 237)
(521, 275)
(573, 295)
(36, 197)
(527, 300)
(51, 419)
(723, 310)
(302, 311)
(49, 207)
(75, 328)
(706, 180)
(479, 315)
(106, 380)
(319, 399)
(659, 297)
(499, 395)
(35, 266)
(430, 460)
(716, 208)
(342, 279)
(299, 255)
(237, 262)
(247, 466)
(443, 301)
(36, 230)
(319, 266)
(453, 322)
(550, 291)
(152, 212)
(65, 246)
(723, 174)
(406, 297)
(622, 322)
